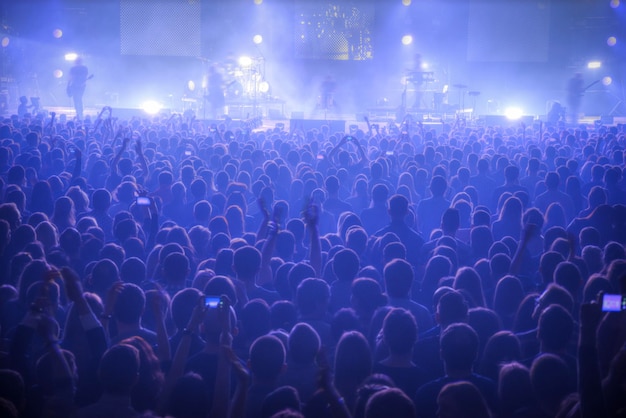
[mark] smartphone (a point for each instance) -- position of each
(389, 153)
(320, 157)
(143, 201)
(187, 152)
(613, 303)
(212, 301)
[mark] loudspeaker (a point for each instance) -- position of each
(309, 124)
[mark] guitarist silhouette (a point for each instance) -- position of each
(76, 85)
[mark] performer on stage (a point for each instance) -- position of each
(215, 92)
(327, 93)
(79, 74)
(416, 76)
(575, 89)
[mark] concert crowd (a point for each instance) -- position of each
(163, 267)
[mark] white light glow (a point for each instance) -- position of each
(245, 62)
(71, 56)
(407, 40)
(607, 81)
(592, 65)
(57, 73)
(425, 66)
(57, 33)
(614, 4)
(264, 86)
(151, 107)
(611, 41)
(513, 113)
(406, 2)
(5, 42)
(191, 85)
(257, 39)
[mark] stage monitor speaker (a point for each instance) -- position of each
(309, 124)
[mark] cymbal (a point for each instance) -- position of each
(459, 86)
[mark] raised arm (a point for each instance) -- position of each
(118, 156)
(311, 218)
(142, 160)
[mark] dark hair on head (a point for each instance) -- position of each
(283, 315)
(182, 305)
(501, 347)
(465, 397)
(119, 369)
(353, 361)
(281, 403)
(459, 346)
(312, 294)
(267, 357)
(304, 344)
(246, 262)
(399, 331)
(390, 402)
(130, 303)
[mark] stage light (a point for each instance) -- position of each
(245, 62)
(257, 2)
(57, 33)
(513, 113)
(191, 85)
(425, 66)
(407, 40)
(151, 107)
(607, 81)
(257, 39)
(264, 86)
(611, 41)
(614, 4)
(406, 2)
(71, 56)
(5, 42)
(57, 73)
(592, 65)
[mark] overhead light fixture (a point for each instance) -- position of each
(592, 65)
(71, 56)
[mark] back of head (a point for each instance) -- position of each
(459, 347)
(346, 265)
(399, 331)
(551, 381)
(398, 207)
(190, 397)
(119, 369)
(514, 388)
(353, 360)
(380, 192)
(568, 275)
(451, 308)
(246, 262)
(398, 276)
(182, 305)
(267, 358)
(461, 400)
(304, 344)
(556, 327)
(312, 296)
(450, 220)
(390, 402)
(438, 185)
(130, 304)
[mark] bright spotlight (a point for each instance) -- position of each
(71, 56)
(611, 41)
(407, 40)
(614, 4)
(406, 2)
(264, 86)
(151, 107)
(245, 62)
(513, 113)
(57, 73)
(607, 81)
(425, 66)
(592, 65)
(257, 2)
(257, 39)
(57, 33)
(5, 42)
(191, 85)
